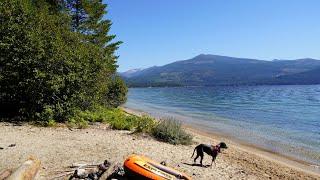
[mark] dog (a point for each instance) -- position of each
(210, 150)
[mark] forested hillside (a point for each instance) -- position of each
(215, 70)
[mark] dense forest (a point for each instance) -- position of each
(57, 58)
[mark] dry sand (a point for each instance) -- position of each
(59, 147)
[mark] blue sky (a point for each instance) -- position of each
(163, 31)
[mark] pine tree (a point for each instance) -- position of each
(88, 20)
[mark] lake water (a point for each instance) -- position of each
(283, 119)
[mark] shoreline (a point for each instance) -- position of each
(288, 161)
(59, 147)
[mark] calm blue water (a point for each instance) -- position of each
(283, 119)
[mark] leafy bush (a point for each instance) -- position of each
(145, 124)
(49, 68)
(124, 123)
(115, 117)
(170, 131)
(116, 93)
(78, 122)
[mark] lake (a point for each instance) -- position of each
(282, 119)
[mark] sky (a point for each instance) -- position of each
(158, 32)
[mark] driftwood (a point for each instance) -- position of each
(27, 170)
(107, 173)
(5, 173)
(81, 165)
(84, 171)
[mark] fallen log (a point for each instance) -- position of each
(27, 170)
(5, 173)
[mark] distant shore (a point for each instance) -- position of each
(250, 148)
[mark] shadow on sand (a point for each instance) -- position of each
(194, 164)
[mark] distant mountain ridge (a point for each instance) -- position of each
(214, 70)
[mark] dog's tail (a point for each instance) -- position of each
(194, 151)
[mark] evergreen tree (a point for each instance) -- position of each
(87, 20)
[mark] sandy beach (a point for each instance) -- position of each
(59, 147)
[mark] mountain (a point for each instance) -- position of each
(130, 72)
(213, 70)
(308, 77)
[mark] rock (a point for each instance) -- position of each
(12, 145)
(80, 173)
(1, 148)
(163, 163)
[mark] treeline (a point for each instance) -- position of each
(57, 58)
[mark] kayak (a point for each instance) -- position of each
(140, 167)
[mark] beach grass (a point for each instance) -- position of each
(167, 130)
(170, 130)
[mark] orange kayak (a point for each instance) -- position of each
(140, 167)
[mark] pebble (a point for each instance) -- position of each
(12, 145)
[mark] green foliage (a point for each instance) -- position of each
(170, 131)
(166, 130)
(48, 72)
(51, 123)
(116, 94)
(145, 124)
(124, 123)
(46, 115)
(116, 118)
(77, 122)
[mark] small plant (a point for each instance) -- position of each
(78, 122)
(170, 131)
(51, 123)
(145, 124)
(124, 123)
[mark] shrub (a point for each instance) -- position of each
(51, 123)
(115, 117)
(46, 115)
(116, 92)
(170, 131)
(124, 123)
(77, 122)
(145, 124)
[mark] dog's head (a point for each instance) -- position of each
(223, 145)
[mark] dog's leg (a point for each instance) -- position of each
(213, 161)
(214, 156)
(201, 160)
(195, 159)
(201, 154)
